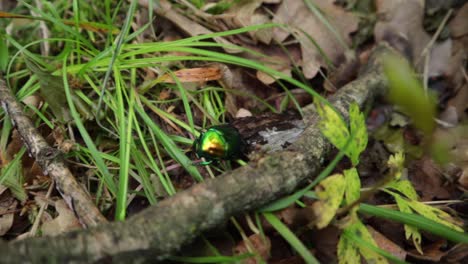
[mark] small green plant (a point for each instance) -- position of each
(340, 193)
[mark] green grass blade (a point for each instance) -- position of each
(125, 139)
(416, 221)
(213, 259)
(291, 238)
(95, 153)
(170, 146)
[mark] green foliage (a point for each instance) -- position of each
(349, 248)
(335, 129)
(221, 6)
(406, 198)
(407, 92)
(3, 53)
(11, 176)
(330, 193)
(355, 244)
(415, 220)
(353, 185)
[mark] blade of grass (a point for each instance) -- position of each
(115, 54)
(106, 176)
(291, 238)
(416, 221)
(152, 164)
(185, 102)
(213, 259)
(125, 139)
(169, 145)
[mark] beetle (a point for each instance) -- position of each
(221, 142)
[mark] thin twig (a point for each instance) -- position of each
(36, 223)
(51, 161)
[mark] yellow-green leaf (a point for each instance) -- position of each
(370, 255)
(353, 185)
(332, 126)
(435, 214)
(359, 229)
(330, 193)
(410, 231)
(358, 128)
(405, 187)
(396, 163)
(335, 129)
(348, 252)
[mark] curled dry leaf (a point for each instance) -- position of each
(299, 17)
(242, 112)
(7, 208)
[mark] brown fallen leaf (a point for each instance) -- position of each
(386, 244)
(298, 16)
(277, 63)
(248, 13)
(193, 75)
(456, 254)
(432, 252)
(402, 20)
(65, 221)
(7, 212)
(459, 24)
(427, 179)
(190, 27)
(261, 245)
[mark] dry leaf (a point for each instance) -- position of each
(277, 63)
(243, 113)
(246, 13)
(190, 27)
(386, 244)
(7, 208)
(401, 20)
(193, 75)
(298, 16)
(432, 252)
(459, 24)
(428, 180)
(65, 221)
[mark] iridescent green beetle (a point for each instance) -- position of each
(222, 142)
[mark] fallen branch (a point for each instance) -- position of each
(162, 229)
(51, 162)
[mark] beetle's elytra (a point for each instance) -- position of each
(221, 142)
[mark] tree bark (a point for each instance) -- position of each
(161, 230)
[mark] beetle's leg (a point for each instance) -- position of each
(202, 162)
